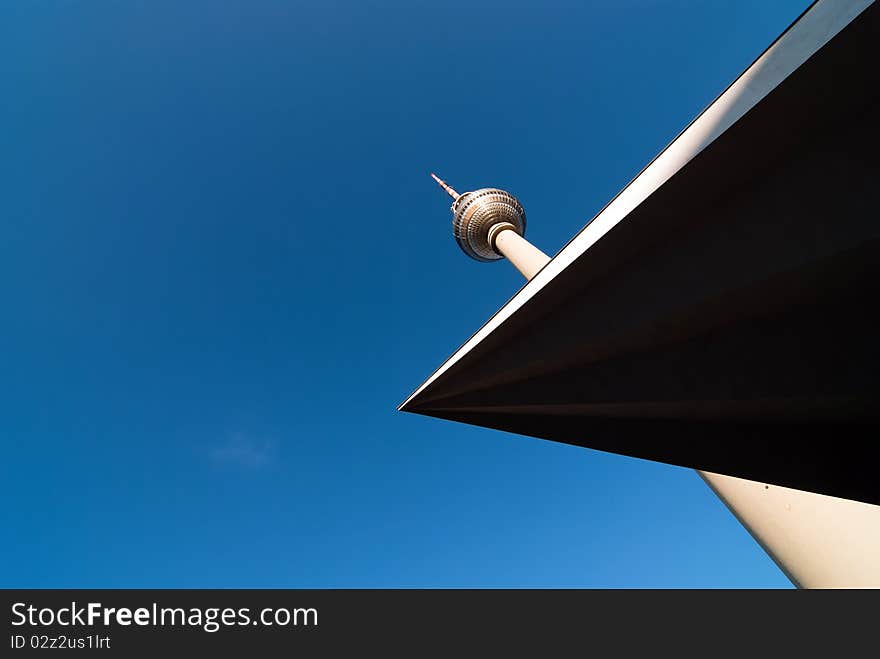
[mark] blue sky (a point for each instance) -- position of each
(223, 265)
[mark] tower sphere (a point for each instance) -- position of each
(475, 213)
(489, 224)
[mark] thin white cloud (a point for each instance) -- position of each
(244, 451)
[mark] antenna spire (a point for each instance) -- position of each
(449, 190)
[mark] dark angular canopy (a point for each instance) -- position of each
(727, 321)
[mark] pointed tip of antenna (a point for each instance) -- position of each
(449, 190)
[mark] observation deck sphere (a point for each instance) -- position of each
(474, 213)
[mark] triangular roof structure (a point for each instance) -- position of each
(718, 313)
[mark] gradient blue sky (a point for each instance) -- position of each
(223, 265)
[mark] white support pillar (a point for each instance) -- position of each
(818, 541)
(527, 258)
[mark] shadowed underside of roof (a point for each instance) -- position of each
(726, 322)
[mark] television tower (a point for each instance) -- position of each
(489, 224)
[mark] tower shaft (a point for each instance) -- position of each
(527, 258)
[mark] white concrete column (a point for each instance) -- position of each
(527, 258)
(818, 541)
